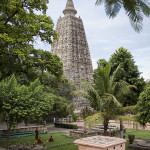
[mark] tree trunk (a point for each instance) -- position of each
(106, 121)
(121, 129)
(8, 137)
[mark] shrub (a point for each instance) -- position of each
(67, 126)
(75, 116)
(131, 138)
(113, 133)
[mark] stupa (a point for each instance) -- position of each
(73, 50)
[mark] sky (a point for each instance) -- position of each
(105, 35)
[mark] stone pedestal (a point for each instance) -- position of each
(101, 143)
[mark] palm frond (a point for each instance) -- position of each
(90, 89)
(120, 88)
(145, 7)
(110, 103)
(112, 8)
(130, 110)
(131, 120)
(135, 9)
(102, 77)
(99, 83)
(113, 77)
(127, 118)
(89, 121)
(80, 94)
(99, 2)
(90, 94)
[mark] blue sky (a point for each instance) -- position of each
(106, 35)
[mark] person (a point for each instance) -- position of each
(39, 141)
(51, 139)
(37, 134)
(45, 122)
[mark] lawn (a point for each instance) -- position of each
(141, 134)
(49, 124)
(58, 137)
(67, 143)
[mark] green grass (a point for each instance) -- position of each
(142, 134)
(127, 143)
(58, 137)
(49, 124)
(130, 130)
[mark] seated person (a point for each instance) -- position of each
(51, 139)
(39, 141)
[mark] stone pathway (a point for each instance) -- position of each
(53, 129)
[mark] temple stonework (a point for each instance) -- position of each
(72, 48)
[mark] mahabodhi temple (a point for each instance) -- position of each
(73, 50)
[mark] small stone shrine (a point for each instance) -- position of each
(72, 48)
(100, 143)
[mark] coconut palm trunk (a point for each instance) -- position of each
(105, 123)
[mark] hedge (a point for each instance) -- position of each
(67, 126)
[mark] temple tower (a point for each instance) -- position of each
(72, 48)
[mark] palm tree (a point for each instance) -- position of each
(103, 94)
(135, 9)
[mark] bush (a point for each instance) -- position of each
(113, 133)
(75, 116)
(131, 138)
(67, 126)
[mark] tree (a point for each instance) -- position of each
(135, 10)
(59, 107)
(102, 62)
(143, 107)
(23, 103)
(103, 94)
(19, 27)
(25, 69)
(128, 72)
(59, 86)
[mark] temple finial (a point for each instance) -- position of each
(69, 10)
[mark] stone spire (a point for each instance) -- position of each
(69, 10)
(73, 50)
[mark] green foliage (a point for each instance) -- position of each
(128, 110)
(140, 134)
(23, 103)
(103, 94)
(74, 116)
(58, 86)
(147, 84)
(64, 125)
(19, 24)
(143, 107)
(128, 72)
(113, 132)
(86, 111)
(102, 62)
(59, 107)
(131, 138)
(59, 138)
(19, 27)
(135, 10)
(20, 103)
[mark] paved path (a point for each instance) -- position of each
(53, 129)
